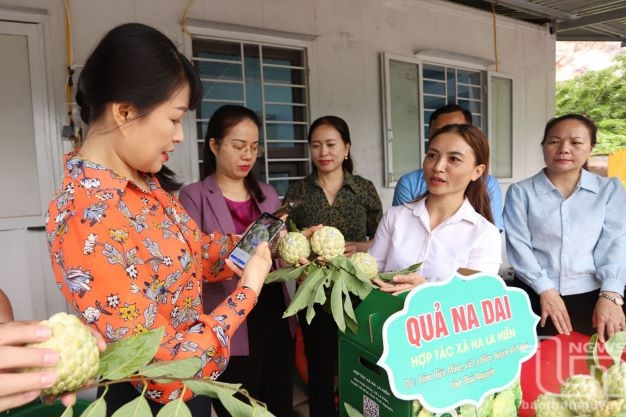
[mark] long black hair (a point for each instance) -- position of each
(342, 127)
(139, 65)
(219, 125)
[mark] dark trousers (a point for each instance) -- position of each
(267, 372)
(120, 394)
(320, 345)
(579, 307)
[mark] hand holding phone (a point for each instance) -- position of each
(257, 268)
(263, 230)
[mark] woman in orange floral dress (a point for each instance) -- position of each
(125, 254)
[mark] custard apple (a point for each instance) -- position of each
(614, 381)
(549, 405)
(365, 263)
(78, 353)
(328, 242)
(504, 404)
(424, 413)
(293, 247)
(611, 408)
(582, 394)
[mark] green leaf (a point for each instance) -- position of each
(352, 412)
(615, 346)
(306, 291)
(176, 408)
(387, 276)
(181, 368)
(211, 388)
(336, 301)
(357, 287)
(593, 362)
(127, 356)
(136, 408)
(285, 274)
(98, 408)
(350, 317)
(225, 393)
(68, 412)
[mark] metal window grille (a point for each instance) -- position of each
(272, 81)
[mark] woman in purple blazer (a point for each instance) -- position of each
(228, 199)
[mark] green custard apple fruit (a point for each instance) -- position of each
(78, 353)
(582, 394)
(611, 408)
(549, 405)
(504, 404)
(293, 246)
(328, 242)
(365, 263)
(614, 381)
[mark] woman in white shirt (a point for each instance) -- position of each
(449, 227)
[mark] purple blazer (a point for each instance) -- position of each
(205, 204)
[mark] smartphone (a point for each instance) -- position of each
(287, 207)
(263, 230)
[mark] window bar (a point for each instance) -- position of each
(266, 159)
(243, 73)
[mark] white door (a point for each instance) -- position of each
(26, 173)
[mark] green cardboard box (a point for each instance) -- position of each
(363, 384)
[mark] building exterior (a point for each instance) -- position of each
(382, 65)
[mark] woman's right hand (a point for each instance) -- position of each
(257, 268)
(400, 283)
(552, 306)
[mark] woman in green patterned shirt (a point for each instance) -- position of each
(331, 196)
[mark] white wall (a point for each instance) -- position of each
(344, 60)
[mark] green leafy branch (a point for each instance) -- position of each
(334, 284)
(131, 360)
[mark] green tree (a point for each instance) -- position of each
(600, 95)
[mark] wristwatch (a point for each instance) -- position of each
(616, 300)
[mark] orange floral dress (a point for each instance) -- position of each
(128, 260)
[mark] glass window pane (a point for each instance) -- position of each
(219, 70)
(201, 129)
(285, 94)
(466, 91)
(208, 108)
(501, 133)
(226, 91)
(434, 72)
(433, 87)
(286, 131)
(254, 92)
(228, 51)
(472, 106)
(286, 149)
(285, 113)
(433, 103)
(452, 91)
(405, 124)
(468, 77)
(283, 75)
(283, 56)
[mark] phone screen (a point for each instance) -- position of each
(263, 230)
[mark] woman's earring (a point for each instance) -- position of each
(346, 157)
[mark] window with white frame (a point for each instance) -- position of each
(415, 87)
(272, 81)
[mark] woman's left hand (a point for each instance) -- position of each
(608, 319)
(400, 283)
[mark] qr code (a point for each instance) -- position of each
(370, 408)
